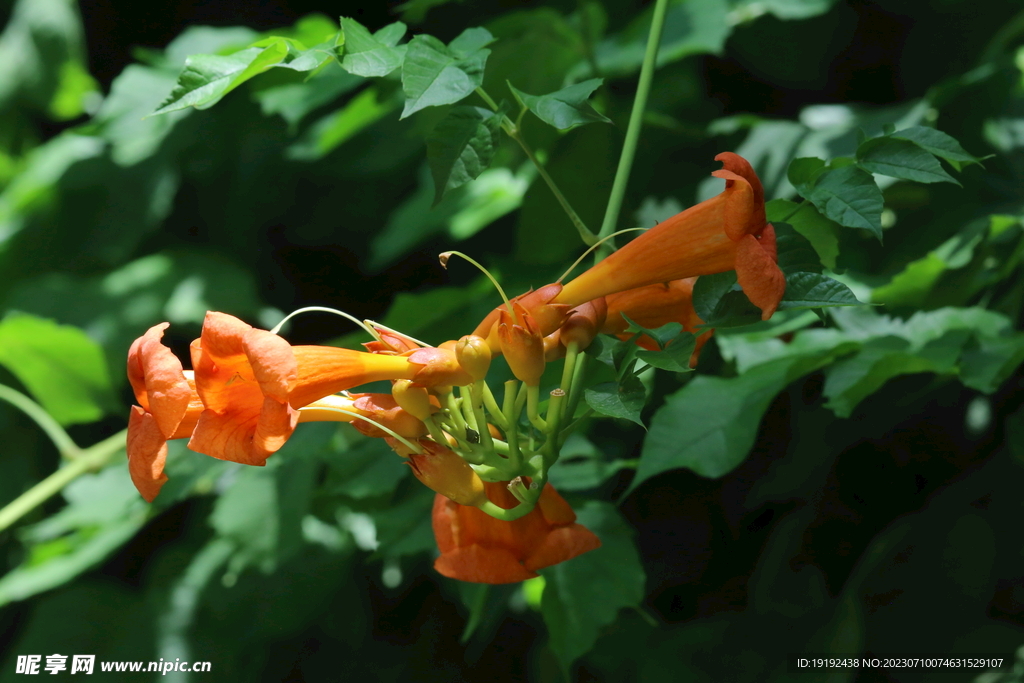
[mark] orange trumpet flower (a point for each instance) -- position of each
(244, 399)
(726, 232)
(653, 306)
(478, 548)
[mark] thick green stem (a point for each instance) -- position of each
(643, 89)
(89, 460)
(58, 436)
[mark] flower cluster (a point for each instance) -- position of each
(495, 517)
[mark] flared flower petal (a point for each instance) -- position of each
(479, 548)
(252, 383)
(726, 232)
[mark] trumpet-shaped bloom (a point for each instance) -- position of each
(249, 390)
(653, 306)
(169, 408)
(478, 548)
(726, 232)
(252, 382)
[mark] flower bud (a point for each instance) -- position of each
(442, 470)
(583, 323)
(548, 316)
(522, 345)
(413, 398)
(439, 367)
(474, 355)
(384, 410)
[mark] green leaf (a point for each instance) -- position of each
(709, 290)
(661, 336)
(850, 381)
(60, 365)
(433, 74)
(208, 78)
(710, 424)
(848, 196)
(691, 28)
(675, 357)
(901, 159)
(371, 56)
(581, 465)
(989, 364)
(565, 108)
(814, 290)
(938, 143)
(623, 399)
(804, 172)
(367, 468)
(822, 233)
(102, 513)
(795, 253)
(461, 147)
(720, 302)
(585, 594)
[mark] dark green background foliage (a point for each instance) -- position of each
(842, 479)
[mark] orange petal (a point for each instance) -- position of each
(248, 435)
(554, 508)
(561, 544)
(759, 275)
(273, 363)
(482, 565)
(326, 370)
(737, 206)
(158, 380)
(147, 453)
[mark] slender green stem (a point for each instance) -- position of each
(575, 389)
(492, 407)
(585, 233)
(444, 263)
(89, 460)
(643, 89)
(553, 445)
(532, 412)
(515, 133)
(572, 350)
(476, 402)
(507, 515)
(58, 436)
(515, 456)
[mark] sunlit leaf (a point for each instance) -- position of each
(434, 74)
(901, 159)
(565, 108)
(814, 290)
(368, 55)
(461, 147)
(63, 369)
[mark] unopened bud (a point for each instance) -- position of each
(522, 345)
(439, 367)
(413, 398)
(442, 470)
(474, 355)
(584, 322)
(385, 411)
